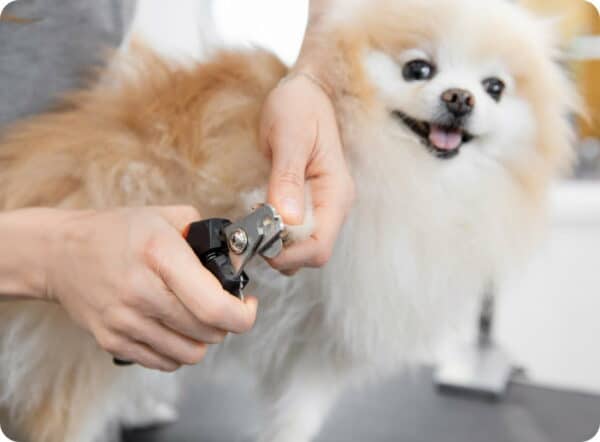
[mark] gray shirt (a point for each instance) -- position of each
(51, 47)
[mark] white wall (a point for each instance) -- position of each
(275, 24)
(185, 30)
(550, 319)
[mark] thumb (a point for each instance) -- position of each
(286, 186)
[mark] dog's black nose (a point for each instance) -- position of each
(459, 102)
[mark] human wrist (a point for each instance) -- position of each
(308, 75)
(27, 237)
(311, 62)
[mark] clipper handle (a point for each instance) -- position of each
(207, 240)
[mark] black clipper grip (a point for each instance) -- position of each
(207, 240)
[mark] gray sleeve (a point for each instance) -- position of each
(47, 47)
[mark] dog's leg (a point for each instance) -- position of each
(149, 413)
(59, 418)
(53, 381)
(297, 410)
(153, 403)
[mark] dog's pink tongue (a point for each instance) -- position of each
(444, 139)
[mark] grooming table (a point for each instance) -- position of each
(402, 409)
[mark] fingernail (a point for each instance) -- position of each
(291, 209)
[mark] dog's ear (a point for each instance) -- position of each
(561, 99)
(559, 49)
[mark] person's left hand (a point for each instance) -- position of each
(299, 132)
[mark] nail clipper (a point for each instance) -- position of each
(226, 248)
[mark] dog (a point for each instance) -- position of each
(454, 116)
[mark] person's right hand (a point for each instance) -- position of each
(130, 278)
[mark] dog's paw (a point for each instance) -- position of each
(149, 413)
(287, 437)
(254, 198)
(303, 231)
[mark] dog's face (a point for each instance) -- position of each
(465, 81)
(449, 101)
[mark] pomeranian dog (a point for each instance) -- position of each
(454, 117)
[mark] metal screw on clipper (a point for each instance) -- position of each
(238, 241)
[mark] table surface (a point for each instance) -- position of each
(405, 408)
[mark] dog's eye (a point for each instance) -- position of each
(494, 87)
(418, 70)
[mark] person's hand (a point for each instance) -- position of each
(299, 131)
(129, 278)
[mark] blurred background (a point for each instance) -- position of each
(547, 321)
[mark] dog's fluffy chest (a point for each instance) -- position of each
(423, 240)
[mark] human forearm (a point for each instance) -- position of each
(312, 47)
(125, 275)
(25, 237)
(320, 42)
(317, 9)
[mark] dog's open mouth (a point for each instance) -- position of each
(444, 141)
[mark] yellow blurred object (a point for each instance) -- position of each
(576, 18)
(574, 15)
(590, 83)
